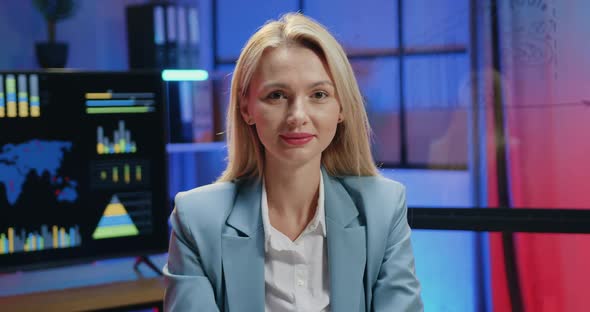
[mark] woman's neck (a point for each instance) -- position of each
(292, 194)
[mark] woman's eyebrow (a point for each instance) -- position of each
(271, 85)
(319, 83)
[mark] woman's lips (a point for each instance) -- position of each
(297, 138)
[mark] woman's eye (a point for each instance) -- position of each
(276, 95)
(320, 95)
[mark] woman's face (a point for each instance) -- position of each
(292, 101)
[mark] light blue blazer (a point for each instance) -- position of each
(216, 254)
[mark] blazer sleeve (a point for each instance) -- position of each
(397, 287)
(187, 286)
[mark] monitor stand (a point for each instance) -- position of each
(148, 262)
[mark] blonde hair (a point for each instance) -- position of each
(349, 153)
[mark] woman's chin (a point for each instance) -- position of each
(297, 158)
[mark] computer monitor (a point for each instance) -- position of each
(82, 166)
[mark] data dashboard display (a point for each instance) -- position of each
(82, 166)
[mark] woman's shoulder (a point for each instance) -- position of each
(211, 200)
(374, 185)
(376, 197)
(206, 192)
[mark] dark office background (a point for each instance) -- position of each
(428, 70)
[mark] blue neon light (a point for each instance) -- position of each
(184, 75)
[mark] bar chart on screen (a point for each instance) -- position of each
(120, 143)
(120, 103)
(53, 237)
(119, 173)
(19, 96)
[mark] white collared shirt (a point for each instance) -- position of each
(296, 274)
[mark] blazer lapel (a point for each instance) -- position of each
(346, 247)
(243, 251)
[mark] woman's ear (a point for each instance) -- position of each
(340, 114)
(244, 111)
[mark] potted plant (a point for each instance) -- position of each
(53, 53)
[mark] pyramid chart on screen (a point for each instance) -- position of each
(115, 222)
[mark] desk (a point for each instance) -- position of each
(89, 298)
(100, 285)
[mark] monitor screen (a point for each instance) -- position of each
(82, 166)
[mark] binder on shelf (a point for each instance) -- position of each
(162, 35)
(171, 37)
(193, 37)
(182, 39)
(159, 37)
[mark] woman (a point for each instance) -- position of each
(300, 219)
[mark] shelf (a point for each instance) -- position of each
(196, 147)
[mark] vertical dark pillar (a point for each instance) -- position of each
(502, 164)
(402, 102)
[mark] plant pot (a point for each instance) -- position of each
(52, 54)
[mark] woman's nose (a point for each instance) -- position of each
(297, 114)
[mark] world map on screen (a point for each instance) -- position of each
(17, 161)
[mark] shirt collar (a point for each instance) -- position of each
(319, 219)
